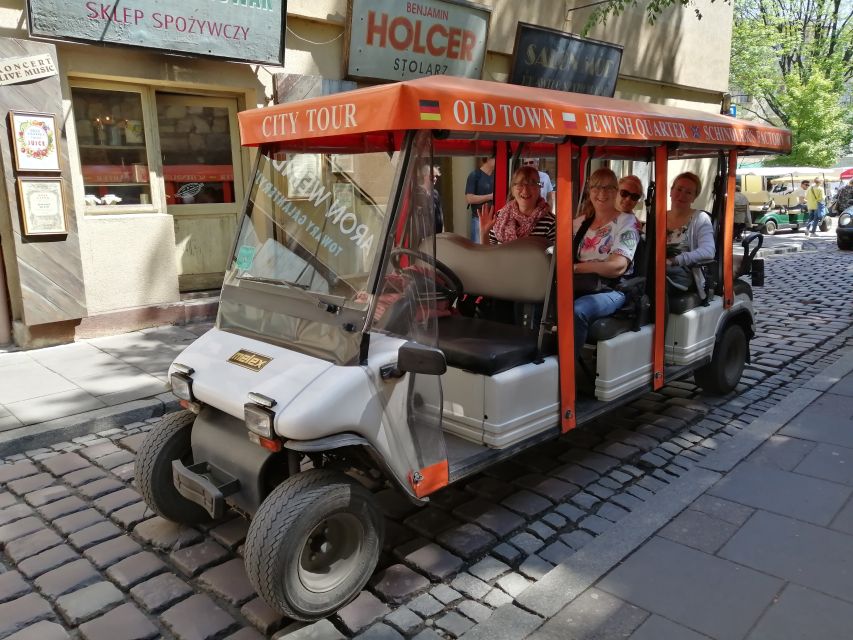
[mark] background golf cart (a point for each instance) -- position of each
(772, 201)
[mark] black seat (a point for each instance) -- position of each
(636, 310)
(684, 301)
(483, 346)
(679, 302)
(628, 318)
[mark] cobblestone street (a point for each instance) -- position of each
(82, 557)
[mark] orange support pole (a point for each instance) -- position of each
(565, 287)
(728, 232)
(661, 191)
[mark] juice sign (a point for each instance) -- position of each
(394, 40)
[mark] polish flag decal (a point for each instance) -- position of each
(569, 120)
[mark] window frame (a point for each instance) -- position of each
(152, 138)
(232, 104)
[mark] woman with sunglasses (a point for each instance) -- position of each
(629, 194)
(689, 235)
(605, 240)
(526, 214)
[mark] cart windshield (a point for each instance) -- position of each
(314, 222)
(300, 270)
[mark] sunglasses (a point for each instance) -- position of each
(627, 194)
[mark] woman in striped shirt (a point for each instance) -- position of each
(526, 214)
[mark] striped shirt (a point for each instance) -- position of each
(546, 226)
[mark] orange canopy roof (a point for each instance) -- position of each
(496, 109)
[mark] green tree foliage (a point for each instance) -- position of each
(820, 124)
(653, 9)
(795, 58)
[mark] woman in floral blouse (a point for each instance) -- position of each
(607, 247)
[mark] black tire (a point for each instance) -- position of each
(722, 374)
(285, 556)
(844, 243)
(168, 440)
(769, 228)
(825, 223)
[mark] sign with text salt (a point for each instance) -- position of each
(17, 70)
(240, 30)
(394, 40)
(550, 59)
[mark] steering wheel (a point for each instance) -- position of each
(448, 285)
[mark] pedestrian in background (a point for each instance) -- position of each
(800, 194)
(845, 198)
(480, 190)
(816, 204)
(742, 217)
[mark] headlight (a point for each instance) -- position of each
(845, 220)
(259, 420)
(182, 386)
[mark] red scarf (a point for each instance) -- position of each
(511, 224)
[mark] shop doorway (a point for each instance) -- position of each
(203, 181)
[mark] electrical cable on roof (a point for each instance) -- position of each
(298, 37)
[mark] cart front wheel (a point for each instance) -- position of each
(722, 374)
(769, 228)
(313, 543)
(168, 440)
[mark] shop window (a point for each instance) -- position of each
(143, 148)
(113, 153)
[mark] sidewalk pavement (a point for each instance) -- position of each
(57, 393)
(763, 549)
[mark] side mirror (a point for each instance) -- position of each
(417, 358)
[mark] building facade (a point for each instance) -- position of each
(149, 174)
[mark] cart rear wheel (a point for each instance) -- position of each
(314, 543)
(722, 374)
(168, 440)
(825, 223)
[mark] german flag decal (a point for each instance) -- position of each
(429, 110)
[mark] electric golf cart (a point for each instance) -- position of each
(341, 356)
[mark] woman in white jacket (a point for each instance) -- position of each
(689, 235)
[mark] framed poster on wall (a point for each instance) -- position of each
(42, 206)
(34, 138)
(344, 195)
